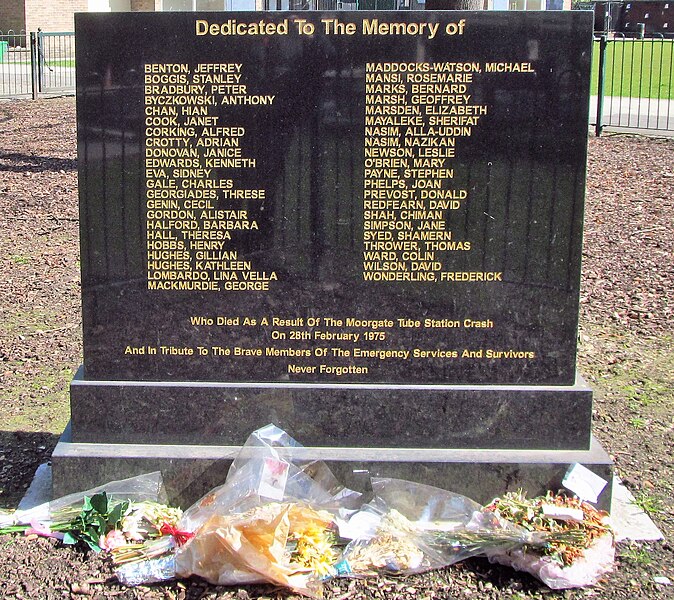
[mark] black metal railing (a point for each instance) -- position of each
(344, 5)
(55, 61)
(635, 82)
(36, 63)
(15, 66)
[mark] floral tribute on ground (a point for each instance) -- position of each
(282, 520)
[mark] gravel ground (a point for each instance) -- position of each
(625, 351)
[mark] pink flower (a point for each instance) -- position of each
(114, 539)
(37, 528)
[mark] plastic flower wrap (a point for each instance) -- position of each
(271, 467)
(417, 527)
(284, 543)
(271, 521)
(561, 563)
(149, 486)
(146, 519)
(148, 528)
(94, 517)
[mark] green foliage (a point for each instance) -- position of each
(98, 517)
(648, 503)
(644, 392)
(636, 554)
(19, 259)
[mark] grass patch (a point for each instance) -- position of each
(29, 322)
(644, 393)
(39, 401)
(637, 555)
(34, 394)
(638, 422)
(66, 62)
(636, 69)
(19, 259)
(638, 370)
(649, 503)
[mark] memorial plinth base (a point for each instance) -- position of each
(192, 470)
(477, 440)
(543, 417)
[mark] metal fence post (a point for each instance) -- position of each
(34, 67)
(603, 43)
(41, 61)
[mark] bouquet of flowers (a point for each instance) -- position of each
(287, 543)
(271, 521)
(416, 528)
(580, 548)
(105, 518)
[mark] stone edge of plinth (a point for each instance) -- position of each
(595, 455)
(191, 471)
(79, 380)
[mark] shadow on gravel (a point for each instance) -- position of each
(18, 162)
(21, 452)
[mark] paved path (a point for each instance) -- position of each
(15, 79)
(641, 114)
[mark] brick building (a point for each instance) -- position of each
(58, 15)
(657, 16)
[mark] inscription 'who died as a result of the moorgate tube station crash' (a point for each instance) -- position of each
(317, 205)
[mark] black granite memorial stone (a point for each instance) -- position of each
(340, 197)
(363, 227)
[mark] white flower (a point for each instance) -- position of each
(114, 539)
(134, 527)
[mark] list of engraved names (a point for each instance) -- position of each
(197, 210)
(414, 114)
(418, 117)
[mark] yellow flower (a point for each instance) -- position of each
(314, 550)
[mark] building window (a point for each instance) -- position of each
(191, 5)
(207, 5)
(525, 5)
